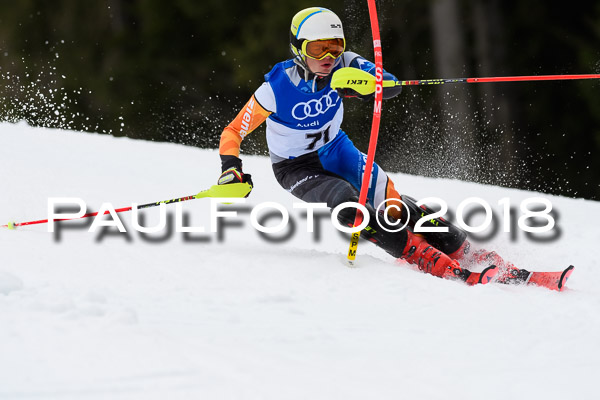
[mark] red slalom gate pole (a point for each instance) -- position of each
(374, 128)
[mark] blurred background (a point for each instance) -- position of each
(179, 71)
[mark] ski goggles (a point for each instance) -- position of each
(319, 49)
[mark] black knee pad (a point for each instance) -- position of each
(447, 242)
(376, 231)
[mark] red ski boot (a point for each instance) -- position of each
(432, 261)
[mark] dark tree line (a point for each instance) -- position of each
(180, 70)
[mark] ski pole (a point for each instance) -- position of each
(216, 191)
(378, 81)
(364, 83)
(499, 79)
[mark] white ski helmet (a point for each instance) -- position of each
(316, 23)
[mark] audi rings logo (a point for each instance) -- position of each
(315, 107)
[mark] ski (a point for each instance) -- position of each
(483, 277)
(550, 280)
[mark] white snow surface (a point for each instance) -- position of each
(116, 316)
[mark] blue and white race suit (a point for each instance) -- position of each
(305, 123)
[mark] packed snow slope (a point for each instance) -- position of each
(232, 315)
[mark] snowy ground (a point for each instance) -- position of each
(118, 316)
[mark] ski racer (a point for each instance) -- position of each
(313, 158)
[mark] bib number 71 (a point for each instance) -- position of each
(315, 137)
